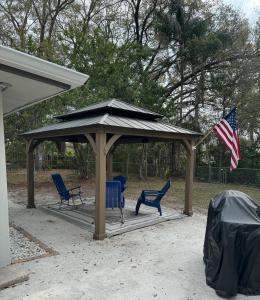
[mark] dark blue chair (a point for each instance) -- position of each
(152, 198)
(122, 179)
(66, 194)
(114, 197)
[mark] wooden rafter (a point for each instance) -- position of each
(91, 141)
(111, 142)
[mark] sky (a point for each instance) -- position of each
(251, 8)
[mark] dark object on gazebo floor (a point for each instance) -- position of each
(232, 243)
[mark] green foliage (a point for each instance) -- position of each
(189, 60)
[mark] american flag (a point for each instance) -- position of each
(227, 131)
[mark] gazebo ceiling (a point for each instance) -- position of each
(111, 116)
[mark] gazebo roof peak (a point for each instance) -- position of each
(113, 107)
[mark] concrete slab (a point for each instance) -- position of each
(10, 276)
(84, 216)
(164, 262)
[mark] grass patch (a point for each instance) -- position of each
(203, 192)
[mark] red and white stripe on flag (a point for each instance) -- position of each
(231, 139)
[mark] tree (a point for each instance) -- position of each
(189, 60)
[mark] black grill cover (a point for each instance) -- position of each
(232, 245)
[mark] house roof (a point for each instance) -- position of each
(111, 123)
(111, 106)
(26, 79)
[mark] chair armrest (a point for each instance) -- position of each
(151, 193)
(77, 187)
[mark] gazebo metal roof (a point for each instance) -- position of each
(110, 115)
(112, 106)
(105, 125)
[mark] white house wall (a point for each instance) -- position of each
(4, 219)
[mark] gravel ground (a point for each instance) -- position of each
(22, 248)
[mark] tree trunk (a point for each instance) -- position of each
(83, 170)
(39, 157)
(141, 168)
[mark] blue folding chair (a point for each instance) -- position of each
(152, 198)
(114, 197)
(122, 179)
(66, 194)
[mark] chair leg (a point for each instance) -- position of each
(61, 203)
(80, 199)
(160, 210)
(138, 204)
(122, 216)
(73, 202)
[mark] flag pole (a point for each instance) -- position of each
(202, 139)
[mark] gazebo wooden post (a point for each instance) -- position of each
(100, 214)
(30, 173)
(189, 177)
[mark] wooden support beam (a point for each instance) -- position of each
(30, 146)
(91, 141)
(186, 144)
(111, 142)
(100, 213)
(189, 177)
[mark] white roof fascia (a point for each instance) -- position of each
(35, 65)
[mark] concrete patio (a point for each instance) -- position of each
(84, 216)
(163, 261)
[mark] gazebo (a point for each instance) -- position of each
(105, 125)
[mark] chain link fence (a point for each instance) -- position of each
(244, 176)
(209, 180)
(88, 167)
(210, 174)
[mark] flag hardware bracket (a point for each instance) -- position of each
(202, 139)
